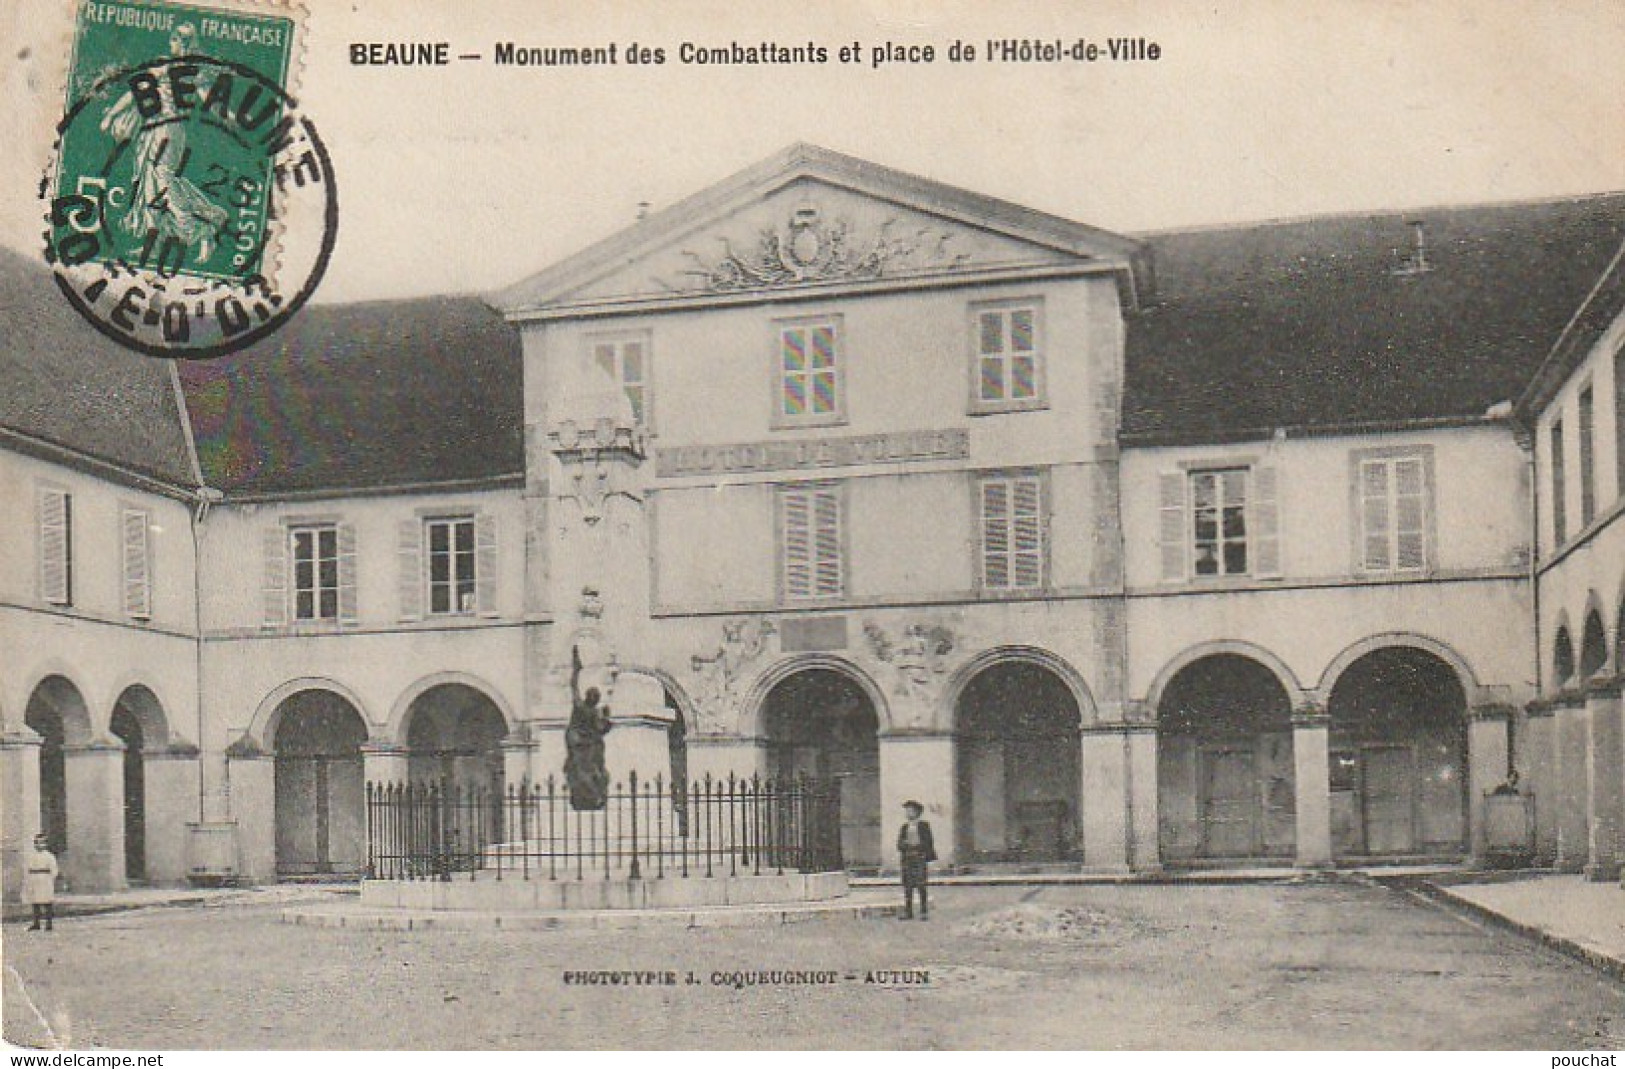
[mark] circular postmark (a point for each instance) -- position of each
(191, 208)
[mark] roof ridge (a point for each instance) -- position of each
(1368, 213)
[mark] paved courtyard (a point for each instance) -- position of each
(1311, 965)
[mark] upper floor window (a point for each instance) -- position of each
(55, 545)
(137, 561)
(626, 360)
(1560, 512)
(1008, 357)
(451, 564)
(808, 381)
(1394, 508)
(1219, 521)
(1586, 426)
(1012, 532)
(315, 555)
(811, 541)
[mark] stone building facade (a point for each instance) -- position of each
(1195, 549)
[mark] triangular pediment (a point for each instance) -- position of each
(809, 217)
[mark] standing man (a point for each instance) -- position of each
(39, 883)
(916, 849)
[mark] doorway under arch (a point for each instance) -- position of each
(1398, 763)
(1018, 774)
(320, 786)
(1226, 782)
(56, 712)
(820, 722)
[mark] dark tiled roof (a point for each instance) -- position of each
(363, 396)
(1303, 324)
(63, 383)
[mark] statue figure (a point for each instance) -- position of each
(584, 739)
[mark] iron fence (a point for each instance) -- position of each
(647, 829)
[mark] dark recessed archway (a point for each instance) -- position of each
(320, 792)
(1398, 756)
(56, 712)
(1226, 781)
(1017, 726)
(821, 722)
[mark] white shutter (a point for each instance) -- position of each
(137, 565)
(797, 544)
(1027, 541)
(345, 539)
(1264, 527)
(996, 534)
(274, 585)
(55, 546)
(1410, 514)
(485, 565)
(1171, 531)
(409, 562)
(826, 543)
(1374, 518)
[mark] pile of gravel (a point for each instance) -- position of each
(1032, 922)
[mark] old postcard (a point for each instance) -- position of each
(886, 525)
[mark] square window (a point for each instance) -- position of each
(1007, 367)
(808, 388)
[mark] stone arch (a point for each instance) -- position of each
(1562, 663)
(1088, 714)
(395, 730)
(1189, 656)
(1593, 653)
(1444, 652)
(1399, 762)
(262, 728)
(1017, 714)
(141, 701)
(59, 694)
(753, 707)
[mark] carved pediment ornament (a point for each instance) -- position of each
(810, 249)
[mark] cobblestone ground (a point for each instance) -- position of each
(1270, 966)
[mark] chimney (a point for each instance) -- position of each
(1416, 263)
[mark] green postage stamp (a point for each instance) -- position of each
(191, 207)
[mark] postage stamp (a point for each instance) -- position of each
(191, 207)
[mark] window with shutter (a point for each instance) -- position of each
(811, 542)
(55, 545)
(137, 564)
(274, 585)
(1394, 513)
(1171, 524)
(1007, 357)
(809, 366)
(1012, 533)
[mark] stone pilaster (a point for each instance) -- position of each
(1103, 794)
(94, 861)
(725, 755)
(1537, 776)
(384, 763)
(251, 791)
(1311, 777)
(1605, 778)
(1145, 854)
(1573, 841)
(19, 806)
(918, 765)
(1488, 762)
(172, 804)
